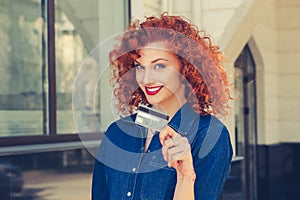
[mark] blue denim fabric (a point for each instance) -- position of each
(122, 171)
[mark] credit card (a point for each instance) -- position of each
(151, 118)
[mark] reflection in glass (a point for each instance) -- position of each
(70, 52)
(80, 28)
(242, 181)
(21, 61)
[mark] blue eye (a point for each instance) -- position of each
(159, 66)
(138, 66)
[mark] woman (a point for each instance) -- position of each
(167, 64)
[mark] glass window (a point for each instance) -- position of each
(25, 108)
(22, 67)
(80, 28)
(153, 7)
(69, 53)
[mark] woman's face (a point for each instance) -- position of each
(157, 74)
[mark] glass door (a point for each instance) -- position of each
(242, 181)
(245, 129)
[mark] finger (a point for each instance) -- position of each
(166, 133)
(175, 149)
(177, 152)
(178, 141)
(174, 164)
(168, 144)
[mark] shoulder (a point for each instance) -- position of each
(122, 121)
(123, 125)
(206, 121)
(212, 135)
(211, 125)
(212, 154)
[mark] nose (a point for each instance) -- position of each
(147, 77)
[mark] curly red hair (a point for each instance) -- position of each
(207, 87)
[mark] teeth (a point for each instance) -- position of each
(153, 89)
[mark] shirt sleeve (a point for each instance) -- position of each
(213, 169)
(100, 189)
(99, 184)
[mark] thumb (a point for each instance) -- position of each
(165, 134)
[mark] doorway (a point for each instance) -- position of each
(246, 123)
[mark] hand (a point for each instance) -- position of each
(176, 151)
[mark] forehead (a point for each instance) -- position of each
(153, 51)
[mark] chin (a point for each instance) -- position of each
(153, 102)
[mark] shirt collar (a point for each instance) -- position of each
(181, 122)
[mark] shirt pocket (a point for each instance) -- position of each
(159, 184)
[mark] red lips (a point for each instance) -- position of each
(153, 90)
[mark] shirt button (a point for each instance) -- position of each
(128, 194)
(134, 169)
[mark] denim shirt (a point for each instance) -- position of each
(123, 172)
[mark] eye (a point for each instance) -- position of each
(138, 66)
(159, 66)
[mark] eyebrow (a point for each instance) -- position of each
(158, 59)
(153, 61)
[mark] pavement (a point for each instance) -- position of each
(68, 185)
(52, 185)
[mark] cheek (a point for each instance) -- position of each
(172, 79)
(138, 77)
